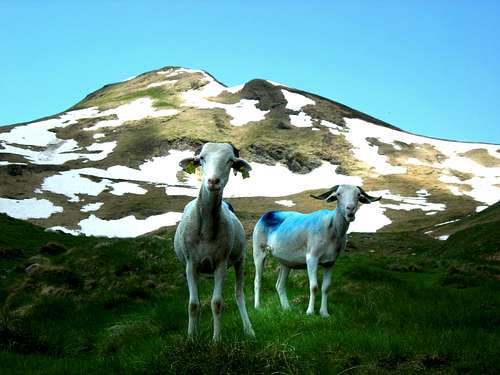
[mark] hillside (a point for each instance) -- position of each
(395, 309)
(109, 165)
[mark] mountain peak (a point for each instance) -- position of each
(111, 161)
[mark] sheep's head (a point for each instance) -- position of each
(216, 161)
(348, 198)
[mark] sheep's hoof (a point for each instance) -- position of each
(250, 332)
(216, 339)
(324, 314)
(310, 312)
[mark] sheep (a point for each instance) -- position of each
(301, 241)
(209, 237)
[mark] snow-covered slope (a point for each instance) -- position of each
(109, 165)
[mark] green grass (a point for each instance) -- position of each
(77, 305)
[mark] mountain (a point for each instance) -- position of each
(109, 165)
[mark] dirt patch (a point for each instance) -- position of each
(483, 157)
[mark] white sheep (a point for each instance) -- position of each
(300, 241)
(209, 237)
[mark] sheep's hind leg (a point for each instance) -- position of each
(281, 286)
(259, 257)
(194, 302)
(240, 298)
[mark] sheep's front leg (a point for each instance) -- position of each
(281, 286)
(219, 276)
(327, 278)
(194, 302)
(240, 298)
(312, 268)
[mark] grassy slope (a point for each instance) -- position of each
(489, 215)
(405, 307)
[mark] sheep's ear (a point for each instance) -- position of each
(366, 198)
(241, 166)
(332, 198)
(189, 165)
(329, 196)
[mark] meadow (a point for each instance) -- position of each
(399, 303)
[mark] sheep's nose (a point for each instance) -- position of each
(213, 182)
(349, 207)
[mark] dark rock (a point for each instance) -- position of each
(15, 170)
(52, 248)
(268, 95)
(272, 154)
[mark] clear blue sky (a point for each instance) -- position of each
(429, 67)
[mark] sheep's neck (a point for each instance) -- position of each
(340, 224)
(209, 206)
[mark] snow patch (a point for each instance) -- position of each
(242, 112)
(234, 89)
(274, 83)
(285, 202)
(423, 193)
(334, 128)
(272, 181)
(483, 183)
(91, 207)
(61, 151)
(176, 71)
(31, 208)
(369, 218)
(168, 82)
(121, 188)
(70, 183)
(128, 226)
(39, 134)
(295, 101)
(359, 130)
(301, 120)
(408, 203)
(57, 151)
(136, 110)
(446, 222)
